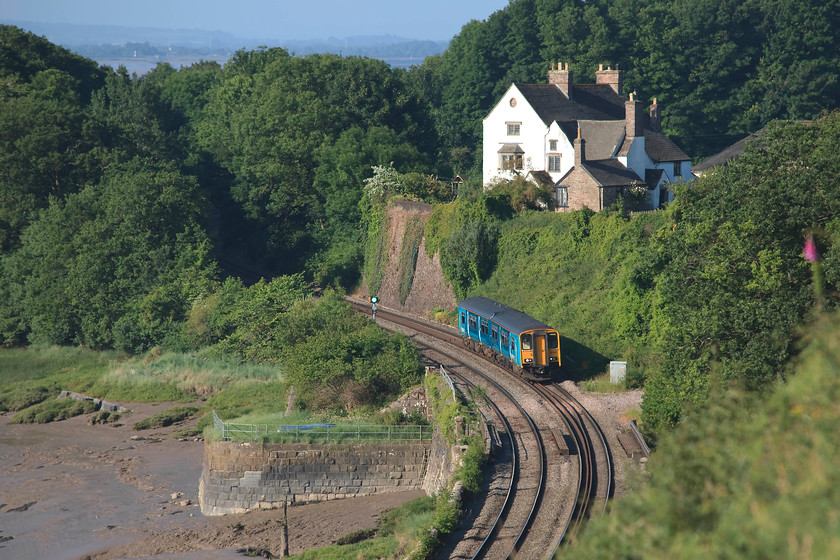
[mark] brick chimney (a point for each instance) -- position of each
(633, 117)
(655, 116)
(580, 149)
(562, 77)
(609, 77)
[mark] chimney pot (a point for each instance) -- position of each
(609, 77)
(562, 77)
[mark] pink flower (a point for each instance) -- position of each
(810, 250)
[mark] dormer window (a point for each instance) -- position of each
(513, 128)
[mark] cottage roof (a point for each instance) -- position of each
(606, 173)
(591, 101)
(602, 137)
(660, 148)
(734, 151)
(611, 173)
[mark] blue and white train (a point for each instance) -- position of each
(525, 345)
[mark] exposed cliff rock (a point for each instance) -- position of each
(428, 289)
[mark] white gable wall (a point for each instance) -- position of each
(532, 136)
(565, 148)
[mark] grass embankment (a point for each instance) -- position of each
(594, 282)
(31, 379)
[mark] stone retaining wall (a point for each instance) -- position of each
(239, 477)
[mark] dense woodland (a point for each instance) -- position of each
(140, 212)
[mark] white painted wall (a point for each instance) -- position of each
(532, 136)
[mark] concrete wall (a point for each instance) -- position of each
(238, 477)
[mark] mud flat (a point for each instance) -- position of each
(71, 490)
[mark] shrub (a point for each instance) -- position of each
(19, 397)
(52, 411)
(166, 418)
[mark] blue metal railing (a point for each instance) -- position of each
(323, 433)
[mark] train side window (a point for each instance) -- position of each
(472, 322)
(494, 332)
(483, 326)
(552, 340)
(463, 318)
(512, 345)
(504, 338)
(526, 341)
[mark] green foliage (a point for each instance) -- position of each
(334, 357)
(735, 288)
(447, 512)
(52, 410)
(166, 418)
(743, 477)
(274, 122)
(376, 245)
(409, 250)
(469, 472)
(114, 265)
(509, 197)
(444, 407)
(20, 396)
(228, 313)
(33, 374)
(344, 168)
(246, 397)
(469, 256)
(719, 69)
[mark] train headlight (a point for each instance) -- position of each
(528, 360)
(552, 359)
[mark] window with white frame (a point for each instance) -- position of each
(553, 162)
(513, 128)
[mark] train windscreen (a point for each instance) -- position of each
(526, 341)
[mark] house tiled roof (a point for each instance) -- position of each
(660, 148)
(511, 149)
(602, 137)
(591, 102)
(734, 151)
(600, 112)
(611, 173)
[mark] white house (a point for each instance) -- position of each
(587, 140)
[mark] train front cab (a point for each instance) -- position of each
(540, 352)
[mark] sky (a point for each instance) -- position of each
(437, 20)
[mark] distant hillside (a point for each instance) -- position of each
(110, 44)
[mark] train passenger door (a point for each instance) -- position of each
(540, 349)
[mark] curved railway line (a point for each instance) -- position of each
(559, 463)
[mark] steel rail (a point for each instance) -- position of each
(450, 337)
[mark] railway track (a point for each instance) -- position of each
(574, 479)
